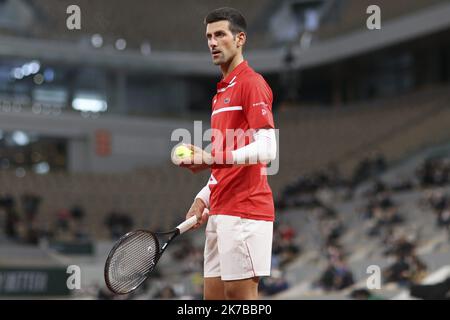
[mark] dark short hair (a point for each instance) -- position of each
(236, 19)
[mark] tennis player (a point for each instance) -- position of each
(239, 229)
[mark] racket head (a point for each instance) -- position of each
(131, 260)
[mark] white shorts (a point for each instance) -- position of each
(237, 248)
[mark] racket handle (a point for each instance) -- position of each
(186, 225)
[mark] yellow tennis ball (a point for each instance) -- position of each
(183, 152)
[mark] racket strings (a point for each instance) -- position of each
(132, 261)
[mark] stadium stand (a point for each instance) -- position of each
(387, 129)
(352, 133)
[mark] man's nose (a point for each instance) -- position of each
(212, 43)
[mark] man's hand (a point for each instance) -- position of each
(200, 159)
(198, 208)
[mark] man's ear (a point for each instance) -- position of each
(241, 37)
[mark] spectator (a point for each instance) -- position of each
(12, 218)
(337, 276)
(77, 213)
(167, 292)
(118, 224)
(63, 217)
(269, 286)
(407, 269)
(434, 172)
(284, 247)
(368, 167)
(364, 294)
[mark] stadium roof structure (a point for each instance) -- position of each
(166, 25)
(176, 29)
(350, 15)
(428, 17)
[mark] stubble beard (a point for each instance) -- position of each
(219, 61)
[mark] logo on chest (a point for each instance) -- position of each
(227, 100)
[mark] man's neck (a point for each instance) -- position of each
(227, 68)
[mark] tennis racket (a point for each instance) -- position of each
(135, 255)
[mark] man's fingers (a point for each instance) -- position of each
(196, 226)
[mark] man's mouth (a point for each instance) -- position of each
(215, 53)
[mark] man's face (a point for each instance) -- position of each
(222, 44)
